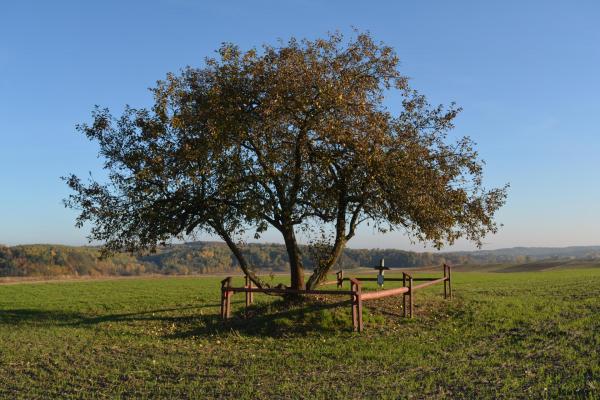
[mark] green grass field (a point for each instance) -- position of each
(509, 335)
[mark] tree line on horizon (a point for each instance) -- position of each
(215, 257)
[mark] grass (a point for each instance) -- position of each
(509, 335)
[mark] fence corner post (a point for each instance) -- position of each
(357, 321)
(408, 277)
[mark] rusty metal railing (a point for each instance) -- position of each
(357, 296)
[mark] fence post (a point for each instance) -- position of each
(404, 295)
(357, 321)
(340, 278)
(359, 308)
(410, 296)
(226, 298)
(449, 281)
(352, 300)
(249, 295)
(445, 280)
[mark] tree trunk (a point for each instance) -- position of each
(341, 238)
(240, 258)
(322, 270)
(296, 268)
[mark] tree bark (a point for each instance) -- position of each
(322, 270)
(296, 267)
(241, 259)
(340, 242)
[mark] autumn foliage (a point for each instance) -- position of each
(296, 137)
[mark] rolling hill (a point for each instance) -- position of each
(45, 260)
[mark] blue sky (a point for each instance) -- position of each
(526, 73)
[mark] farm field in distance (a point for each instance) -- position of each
(504, 335)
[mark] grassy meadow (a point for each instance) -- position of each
(504, 335)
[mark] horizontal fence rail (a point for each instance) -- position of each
(286, 291)
(384, 293)
(357, 296)
(370, 279)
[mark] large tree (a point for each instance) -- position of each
(297, 137)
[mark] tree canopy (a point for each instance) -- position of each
(297, 137)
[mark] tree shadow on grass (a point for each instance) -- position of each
(150, 315)
(278, 318)
(33, 316)
(65, 318)
(274, 319)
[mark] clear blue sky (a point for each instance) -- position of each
(527, 74)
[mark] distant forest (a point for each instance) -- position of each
(214, 257)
